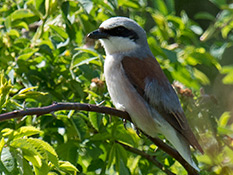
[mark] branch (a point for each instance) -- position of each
(146, 156)
(100, 109)
(64, 106)
(173, 153)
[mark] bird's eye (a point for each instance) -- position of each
(120, 29)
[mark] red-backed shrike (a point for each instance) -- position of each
(137, 84)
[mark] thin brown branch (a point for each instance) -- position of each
(100, 109)
(172, 152)
(64, 106)
(146, 156)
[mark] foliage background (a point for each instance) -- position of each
(45, 57)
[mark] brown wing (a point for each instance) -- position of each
(151, 83)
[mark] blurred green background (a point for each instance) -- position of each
(45, 58)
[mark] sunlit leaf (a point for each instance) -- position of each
(227, 29)
(223, 120)
(2, 143)
(38, 147)
(26, 131)
(67, 166)
(21, 13)
(59, 31)
(13, 33)
(128, 3)
(27, 55)
(202, 77)
(228, 79)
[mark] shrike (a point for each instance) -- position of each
(137, 84)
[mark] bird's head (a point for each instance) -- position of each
(120, 34)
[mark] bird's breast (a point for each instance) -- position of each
(125, 97)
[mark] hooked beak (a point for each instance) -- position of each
(98, 34)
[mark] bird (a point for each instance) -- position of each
(137, 84)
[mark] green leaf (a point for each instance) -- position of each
(87, 5)
(79, 60)
(95, 165)
(161, 6)
(219, 3)
(22, 91)
(204, 15)
(8, 22)
(47, 7)
(123, 169)
(30, 94)
(184, 76)
(80, 126)
(91, 51)
(27, 169)
(32, 156)
(5, 87)
(38, 3)
(60, 31)
(120, 156)
(34, 7)
(227, 29)
(21, 13)
(65, 8)
(38, 147)
(122, 134)
(27, 55)
(223, 120)
(95, 119)
(46, 49)
(6, 132)
(171, 55)
(129, 3)
(44, 169)
(112, 155)
(170, 5)
(201, 76)
(14, 33)
(2, 143)
(7, 160)
(20, 24)
(26, 131)
(66, 151)
(67, 166)
(228, 79)
(224, 131)
(101, 136)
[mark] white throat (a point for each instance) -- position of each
(114, 45)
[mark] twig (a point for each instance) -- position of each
(172, 152)
(146, 156)
(100, 109)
